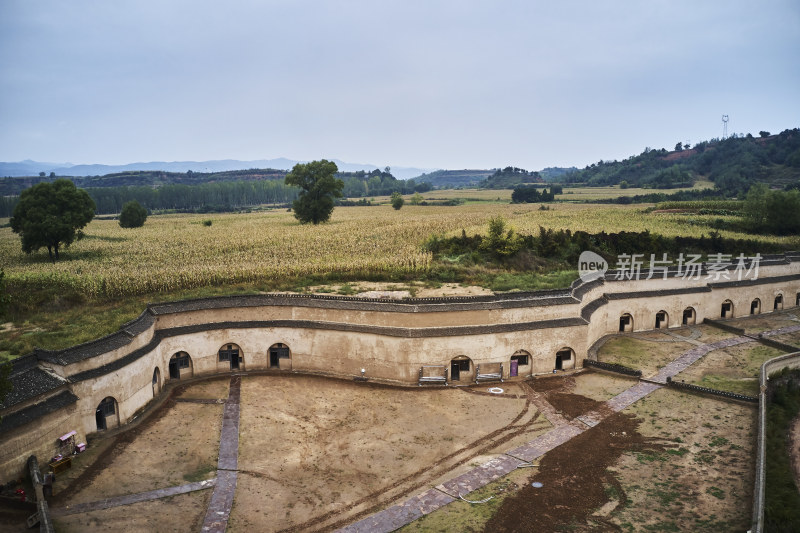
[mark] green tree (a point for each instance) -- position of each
(397, 200)
(783, 212)
(755, 205)
(132, 215)
(416, 199)
(318, 187)
(499, 242)
(51, 215)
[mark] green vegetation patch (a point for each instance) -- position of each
(782, 498)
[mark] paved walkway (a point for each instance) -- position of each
(219, 509)
(132, 498)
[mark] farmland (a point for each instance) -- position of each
(174, 252)
(117, 270)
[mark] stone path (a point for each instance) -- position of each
(132, 498)
(219, 509)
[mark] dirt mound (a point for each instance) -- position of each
(575, 481)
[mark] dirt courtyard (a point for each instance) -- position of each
(316, 453)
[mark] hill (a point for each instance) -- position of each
(510, 177)
(733, 164)
(451, 179)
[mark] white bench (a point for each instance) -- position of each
(429, 374)
(488, 375)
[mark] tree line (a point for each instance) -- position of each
(527, 194)
(207, 197)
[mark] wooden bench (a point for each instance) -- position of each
(426, 375)
(61, 465)
(487, 375)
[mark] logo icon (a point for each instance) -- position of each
(591, 266)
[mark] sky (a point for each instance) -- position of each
(422, 83)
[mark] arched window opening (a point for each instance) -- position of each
(232, 354)
(278, 352)
(565, 359)
(626, 322)
(180, 364)
(727, 309)
(461, 369)
(106, 414)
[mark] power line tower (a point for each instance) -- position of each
(724, 127)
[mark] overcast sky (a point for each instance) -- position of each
(440, 84)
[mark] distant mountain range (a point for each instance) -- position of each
(33, 168)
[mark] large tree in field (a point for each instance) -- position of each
(318, 188)
(51, 215)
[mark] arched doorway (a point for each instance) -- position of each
(232, 354)
(520, 363)
(461, 369)
(778, 305)
(156, 382)
(280, 356)
(662, 320)
(180, 364)
(107, 414)
(565, 358)
(626, 322)
(727, 309)
(689, 316)
(755, 307)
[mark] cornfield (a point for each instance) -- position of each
(178, 252)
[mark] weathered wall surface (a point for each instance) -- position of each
(390, 340)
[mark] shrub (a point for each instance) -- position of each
(132, 215)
